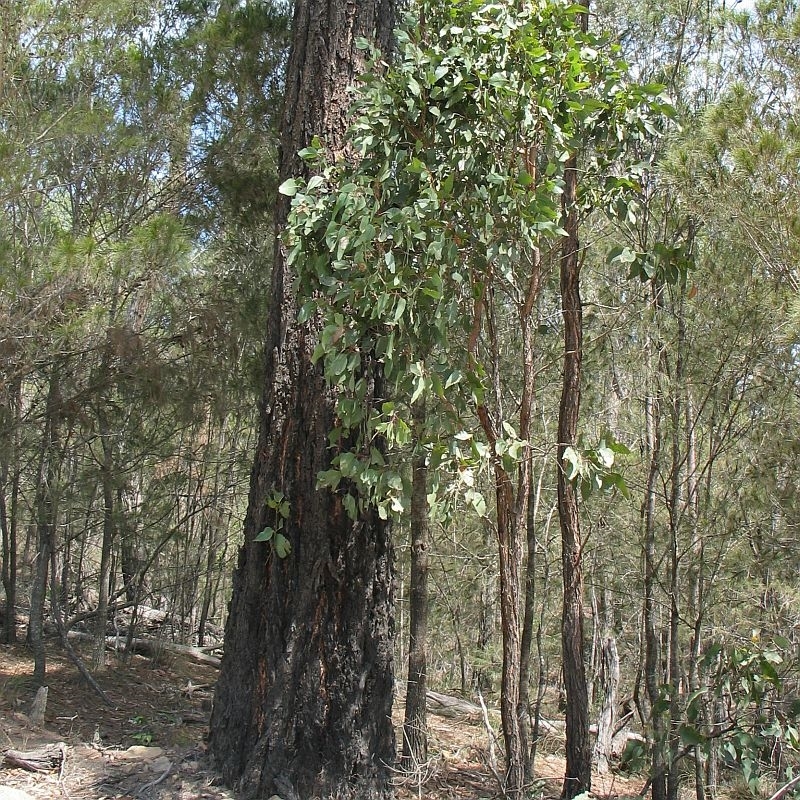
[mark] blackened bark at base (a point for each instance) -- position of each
(510, 557)
(8, 510)
(8, 528)
(578, 774)
(303, 703)
(529, 611)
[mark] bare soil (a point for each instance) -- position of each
(150, 744)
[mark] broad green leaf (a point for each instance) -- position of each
(453, 378)
(615, 480)
(282, 546)
(265, 535)
(289, 187)
(350, 506)
(398, 312)
(572, 463)
(606, 455)
(329, 478)
(306, 311)
(419, 388)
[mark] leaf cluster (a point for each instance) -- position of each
(454, 188)
(592, 468)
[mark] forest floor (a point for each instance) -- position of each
(150, 743)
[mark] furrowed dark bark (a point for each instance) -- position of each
(303, 704)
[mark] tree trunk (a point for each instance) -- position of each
(303, 703)
(609, 682)
(132, 556)
(8, 530)
(652, 655)
(129, 500)
(579, 755)
(482, 678)
(525, 508)
(107, 469)
(215, 533)
(696, 591)
(511, 510)
(46, 510)
(208, 584)
(526, 643)
(674, 673)
(9, 510)
(678, 501)
(510, 558)
(415, 735)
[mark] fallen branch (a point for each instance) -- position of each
(492, 758)
(786, 788)
(45, 759)
(445, 705)
(155, 782)
(153, 648)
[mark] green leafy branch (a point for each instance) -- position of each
(592, 468)
(461, 147)
(664, 264)
(746, 682)
(279, 505)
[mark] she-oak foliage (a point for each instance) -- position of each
(454, 185)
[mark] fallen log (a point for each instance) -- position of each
(153, 648)
(44, 759)
(445, 705)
